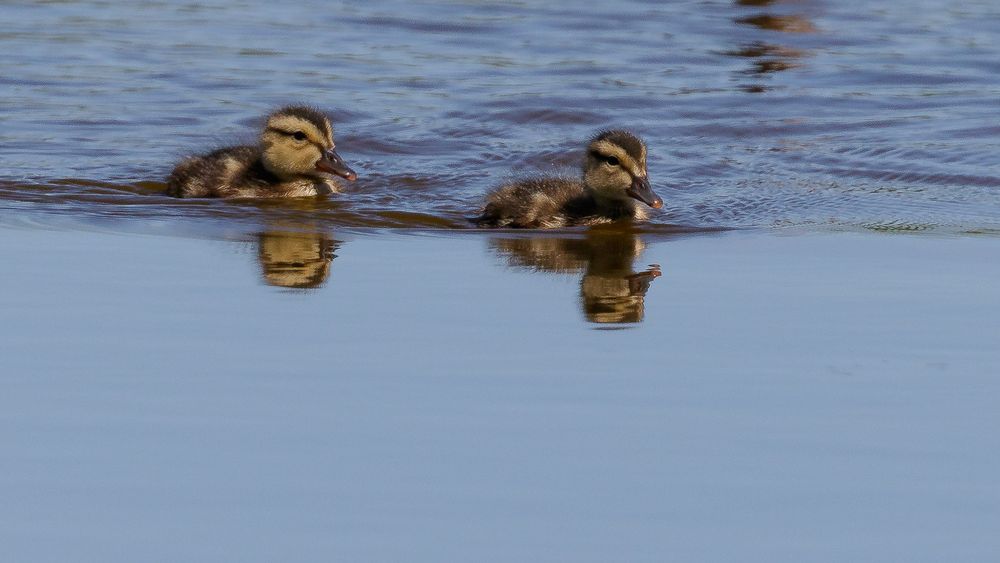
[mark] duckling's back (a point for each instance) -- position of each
(211, 174)
(536, 203)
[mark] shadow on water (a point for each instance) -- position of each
(612, 291)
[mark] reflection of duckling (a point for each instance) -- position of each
(610, 290)
(295, 157)
(614, 177)
(788, 23)
(295, 259)
(616, 298)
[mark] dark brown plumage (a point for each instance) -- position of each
(546, 203)
(614, 178)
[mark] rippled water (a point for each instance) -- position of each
(758, 113)
(350, 378)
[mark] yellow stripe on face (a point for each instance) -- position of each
(627, 162)
(329, 134)
(291, 124)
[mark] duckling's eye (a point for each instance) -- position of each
(299, 136)
(613, 161)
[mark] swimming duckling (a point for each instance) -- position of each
(296, 157)
(614, 179)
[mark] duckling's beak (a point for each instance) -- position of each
(642, 191)
(331, 163)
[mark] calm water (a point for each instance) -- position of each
(786, 398)
(797, 360)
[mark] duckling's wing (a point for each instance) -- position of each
(530, 203)
(211, 174)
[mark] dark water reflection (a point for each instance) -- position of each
(765, 55)
(611, 290)
(295, 259)
(787, 24)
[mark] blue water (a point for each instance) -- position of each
(819, 398)
(851, 114)
(797, 360)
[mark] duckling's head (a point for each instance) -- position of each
(615, 168)
(298, 141)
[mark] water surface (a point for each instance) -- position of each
(758, 113)
(443, 398)
(796, 360)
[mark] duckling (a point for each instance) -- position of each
(614, 179)
(296, 157)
